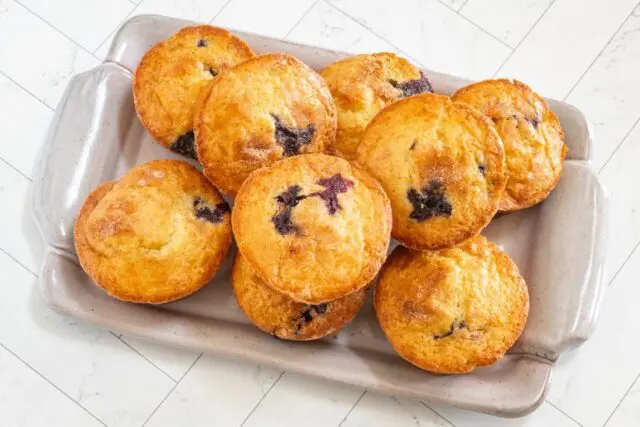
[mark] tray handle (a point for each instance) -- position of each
(96, 110)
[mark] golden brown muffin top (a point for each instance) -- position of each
(451, 310)
(279, 315)
(171, 76)
(532, 136)
(156, 235)
(261, 111)
(362, 85)
(313, 227)
(442, 166)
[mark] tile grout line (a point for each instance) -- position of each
(224, 6)
(115, 30)
(18, 262)
(119, 338)
(463, 5)
(624, 263)
(374, 33)
(352, 408)
(502, 42)
(2, 159)
(261, 399)
(622, 141)
(620, 402)
(57, 30)
(53, 385)
(437, 413)
(524, 38)
(172, 389)
(615, 33)
(26, 90)
(301, 18)
(563, 413)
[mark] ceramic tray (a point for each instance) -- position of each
(559, 246)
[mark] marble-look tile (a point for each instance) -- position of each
(455, 4)
(173, 361)
(545, 416)
(24, 133)
(609, 94)
(628, 413)
(90, 365)
(20, 237)
(564, 42)
(299, 400)
(589, 382)
(378, 410)
(327, 27)
(506, 19)
(26, 399)
(195, 10)
(87, 22)
(624, 203)
(431, 33)
(216, 391)
(102, 51)
(37, 56)
(273, 18)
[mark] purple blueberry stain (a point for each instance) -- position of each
(452, 328)
(333, 186)
(287, 200)
(185, 145)
(213, 214)
(292, 139)
(413, 87)
(310, 313)
(429, 202)
(482, 168)
(202, 43)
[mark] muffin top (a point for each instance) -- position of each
(261, 111)
(532, 136)
(173, 73)
(442, 166)
(313, 227)
(362, 85)
(156, 235)
(279, 315)
(451, 310)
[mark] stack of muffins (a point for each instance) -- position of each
(325, 169)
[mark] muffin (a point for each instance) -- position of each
(312, 227)
(532, 136)
(362, 85)
(171, 77)
(283, 317)
(442, 166)
(261, 111)
(158, 234)
(451, 310)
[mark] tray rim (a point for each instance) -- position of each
(52, 249)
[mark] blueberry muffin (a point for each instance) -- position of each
(362, 85)
(442, 166)
(279, 315)
(451, 310)
(261, 111)
(312, 227)
(532, 136)
(171, 77)
(158, 234)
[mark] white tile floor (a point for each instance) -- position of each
(55, 371)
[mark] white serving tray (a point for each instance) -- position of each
(559, 246)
